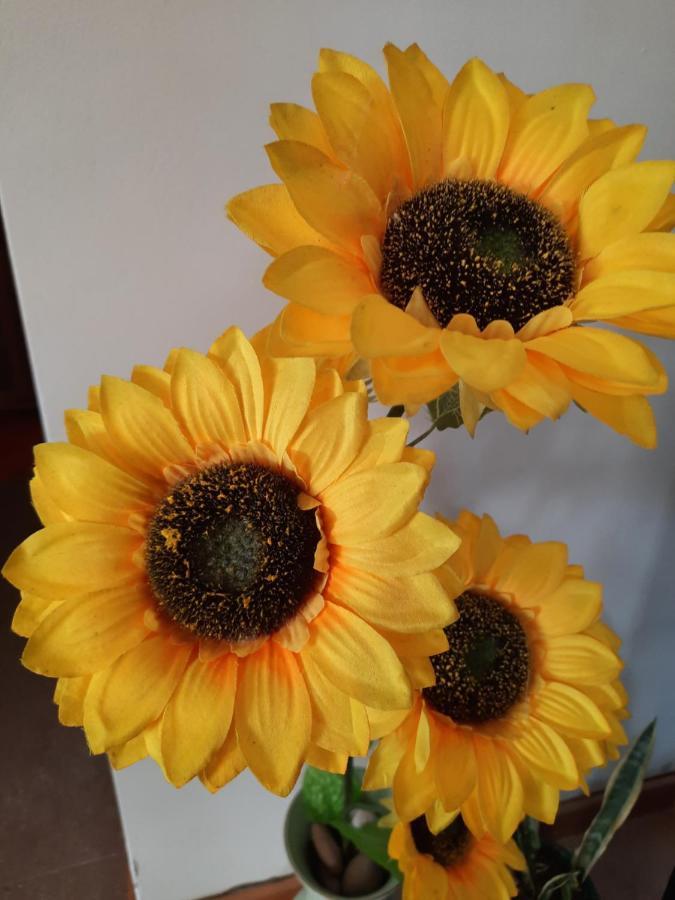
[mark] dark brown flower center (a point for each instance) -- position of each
(229, 553)
(477, 247)
(485, 670)
(448, 847)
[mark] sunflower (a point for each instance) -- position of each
(231, 551)
(456, 234)
(453, 864)
(526, 699)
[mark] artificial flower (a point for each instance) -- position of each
(460, 233)
(453, 864)
(230, 552)
(526, 698)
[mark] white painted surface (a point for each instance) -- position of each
(124, 128)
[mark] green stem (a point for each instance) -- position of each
(423, 435)
(348, 786)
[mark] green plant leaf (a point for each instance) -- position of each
(527, 838)
(323, 794)
(371, 840)
(622, 790)
(565, 883)
(445, 411)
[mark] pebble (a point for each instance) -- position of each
(327, 848)
(362, 876)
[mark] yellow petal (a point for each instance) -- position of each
(570, 711)
(373, 503)
(70, 700)
(408, 604)
(476, 119)
(155, 380)
(326, 760)
(622, 203)
(422, 545)
(289, 385)
(454, 764)
(198, 716)
(227, 762)
(133, 692)
(319, 279)
(412, 380)
(499, 789)
(238, 360)
(545, 130)
(386, 757)
(300, 331)
(422, 744)
(47, 509)
(534, 572)
(349, 115)
(597, 155)
(486, 547)
(648, 250)
(518, 414)
(600, 353)
(664, 220)
(383, 107)
(204, 401)
(30, 612)
(87, 487)
(127, 754)
(542, 386)
(141, 427)
(540, 799)
(355, 658)
(571, 608)
(625, 293)
(414, 792)
(272, 701)
(268, 216)
(86, 429)
(336, 722)
(385, 443)
(484, 364)
(291, 122)
(547, 754)
(420, 117)
(88, 633)
(381, 329)
(631, 416)
(548, 320)
(658, 322)
(436, 80)
(73, 557)
(336, 202)
(578, 658)
(329, 440)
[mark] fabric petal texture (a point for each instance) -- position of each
(524, 701)
(416, 267)
(233, 570)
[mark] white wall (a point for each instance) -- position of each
(125, 126)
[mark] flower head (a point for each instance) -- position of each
(458, 233)
(230, 553)
(453, 864)
(526, 699)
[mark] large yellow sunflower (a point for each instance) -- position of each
(231, 551)
(458, 233)
(526, 698)
(453, 864)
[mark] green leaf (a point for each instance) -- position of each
(622, 790)
(527, 838)
(371, 840)
(565, 883)
(445, 411)
(323, 794)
